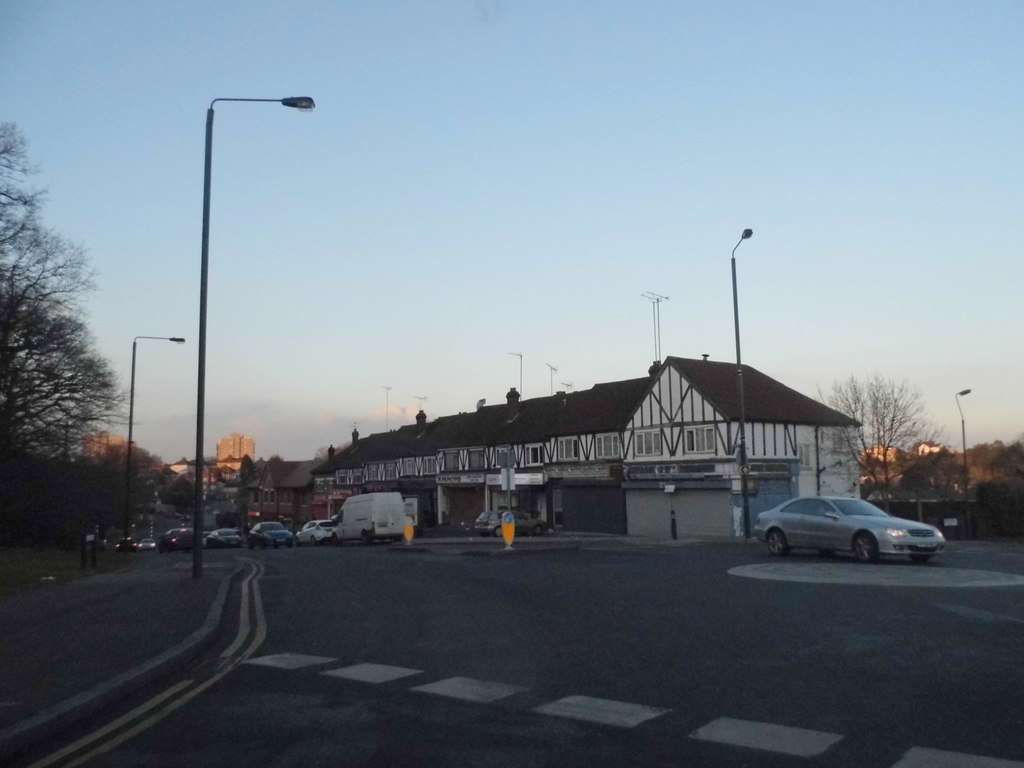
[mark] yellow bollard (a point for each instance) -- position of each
(409, 531)
(508, 529)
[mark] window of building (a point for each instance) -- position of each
(503, 458)
(568, 449)
(476, 458)
(806, 457)
(535, 454)
(391, 470)
(608, 447)
(429, 465)
(700, 440)
(356, 476)
(648, 444)
(408, 466)
(451, 460)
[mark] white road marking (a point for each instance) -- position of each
(772, 738)
(604, 711)
(289, 661)
(372, 673)
(919, 757)
(468, 689)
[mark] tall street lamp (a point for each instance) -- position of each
(304, 103)
(131, 418)
(744, 469)
(963, 438)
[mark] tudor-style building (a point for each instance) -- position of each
(620, 457)
(682, 449)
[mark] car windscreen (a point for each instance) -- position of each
(325, 523)
(858, 508)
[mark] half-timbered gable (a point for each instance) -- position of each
(682, 446)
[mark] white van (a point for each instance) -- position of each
(370, 517)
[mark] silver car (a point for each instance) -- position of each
(831, 524)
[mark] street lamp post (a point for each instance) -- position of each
(963, 438)
(131, 418)
(304, 103)
(744, 469)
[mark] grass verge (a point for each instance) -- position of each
(27, 569)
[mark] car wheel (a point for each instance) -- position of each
(920, 558)
(538, 530)
(777, 543)
(335, 540)
(366, 538)
(865, 547)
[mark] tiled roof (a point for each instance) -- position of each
(603, 408)
(300, 475)
(765, 398)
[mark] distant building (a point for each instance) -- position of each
(103, 444)
(232, 449)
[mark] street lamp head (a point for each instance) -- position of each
(963, 392)
(176, 339)
(305, 103)
(747, 234)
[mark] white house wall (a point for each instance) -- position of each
(673, 405)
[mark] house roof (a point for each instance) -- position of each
(301, 474)
(765, 398)
(603, 408)
(606, 407)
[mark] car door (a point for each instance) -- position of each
(820, 528)
(793, 519)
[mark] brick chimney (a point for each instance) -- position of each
(421, 418)
(355, 436)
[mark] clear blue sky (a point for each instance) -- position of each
(484, 176)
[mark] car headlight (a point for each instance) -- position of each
(896, 532)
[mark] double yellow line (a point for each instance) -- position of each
(180, 693)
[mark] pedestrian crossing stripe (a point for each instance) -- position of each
(468, 689)
(290, 661)
(604, 711)
(372, 673)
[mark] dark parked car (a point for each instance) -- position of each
(270, 535)
(490, 523)
(223, 538)
(128, 545)
(176, 540)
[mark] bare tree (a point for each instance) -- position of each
(892, 419)
(54, 387)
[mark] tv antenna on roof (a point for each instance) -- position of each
(656, 300)
(553, 371)
(422, 400)
(567, 385)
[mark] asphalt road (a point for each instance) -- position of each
(605, 654)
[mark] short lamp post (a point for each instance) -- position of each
(744, 469)
(963, 438)
(306, 104)
(131, 421)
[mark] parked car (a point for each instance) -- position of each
(176, 540)
(223, 538)
(833, 524)
(270, 534)
(147, 545)
(315, 532)
(489, 523)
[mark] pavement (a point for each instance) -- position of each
(68, 650)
